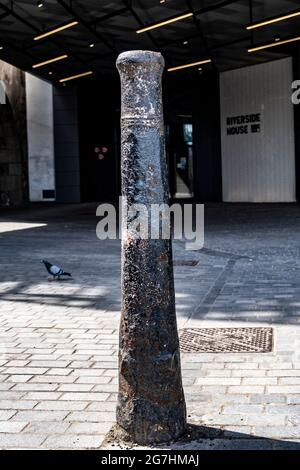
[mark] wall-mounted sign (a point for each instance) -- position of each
(100, 152)
(244, 124)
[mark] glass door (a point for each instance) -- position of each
(180, 158)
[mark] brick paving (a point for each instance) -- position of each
(58, 340)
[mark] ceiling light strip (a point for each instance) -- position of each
(273, 44)
(56, 30)
(193, 64)
(164, 23)
(50, 61)
(73, 77)
(273, 20)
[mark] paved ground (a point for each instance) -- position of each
(58, 345)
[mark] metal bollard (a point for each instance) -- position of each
(151, 406)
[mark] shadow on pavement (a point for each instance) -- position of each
(207, 438)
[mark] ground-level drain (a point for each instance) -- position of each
(226, 340)
(185, 262)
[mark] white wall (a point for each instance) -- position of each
(39, 104)
(259, 167)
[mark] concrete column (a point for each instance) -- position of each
(66, 144)
(40, 136)
(151, 406)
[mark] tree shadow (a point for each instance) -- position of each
(69, 239)
(18, 294)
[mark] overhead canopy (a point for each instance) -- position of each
(100, 30)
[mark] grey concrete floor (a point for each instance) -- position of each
(58, 349)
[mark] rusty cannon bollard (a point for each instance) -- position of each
(151, 406)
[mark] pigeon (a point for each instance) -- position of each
(55, 271)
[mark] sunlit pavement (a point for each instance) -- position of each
(58, 350)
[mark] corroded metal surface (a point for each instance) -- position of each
(151, 406)
(226, 340)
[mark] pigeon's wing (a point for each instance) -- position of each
(55, 270)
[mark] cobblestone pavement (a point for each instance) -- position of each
(58, 345)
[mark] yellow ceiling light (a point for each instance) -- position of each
(73, 77)
(164, 23)
(273, 44)
(193, 64)
(50, 61)
(56, 30)
(273, 20)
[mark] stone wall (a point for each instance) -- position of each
(13, 139)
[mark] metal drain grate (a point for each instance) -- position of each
(185, 262)
(226, 340)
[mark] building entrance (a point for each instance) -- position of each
(179, 147)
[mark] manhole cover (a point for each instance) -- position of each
(228, 340)
(185, 262)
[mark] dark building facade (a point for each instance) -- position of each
(231, 128)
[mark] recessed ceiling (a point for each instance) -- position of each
(217, 30)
